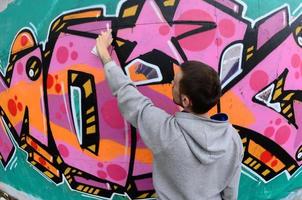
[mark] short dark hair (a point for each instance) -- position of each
(201, 84)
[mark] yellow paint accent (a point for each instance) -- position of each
(288, 96)
(244, 140)
(291, 168)
(253, 163)
(91, 119)
(87, 88)
(92, 147)
(33, 162)
(91, 129)
(73, 77)
(8, 80)
(298, 29)
(59, 160)
(69, 180)
(50, 175)
(46, 54)
(266, 172)
(24, 146)
(248, 160)
(120, 43)
(86, 189)
(277, 93)
(85, 14)
(55, 24)
(154, 195)
(90, 110)
(143, 195)
(279, 83)
(68, 176)
(9, 68)
(91, 190)
(286, 109)
(80, 187)
(169, 3)
(250, 49)
(249, 56)
(129, 187)
(60, 27)
(15, 56)
(257, 166)
(67, 170)
(73, 171)
(290, 115)
(33, 64)
(128, 12)
(96, 191)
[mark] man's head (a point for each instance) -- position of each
(196, 87)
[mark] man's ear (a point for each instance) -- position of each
(186, 102)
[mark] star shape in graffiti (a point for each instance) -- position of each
(152, 26)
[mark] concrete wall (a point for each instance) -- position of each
(61, 135)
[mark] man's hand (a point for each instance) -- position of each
(102, 43)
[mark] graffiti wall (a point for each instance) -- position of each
(60, 127)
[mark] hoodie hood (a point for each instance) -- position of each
(207, 138)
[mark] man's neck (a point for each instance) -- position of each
(200, 115)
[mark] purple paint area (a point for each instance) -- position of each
(141, 168)
(229, 4)
(91, 27)
(91, 182)
(144, 184)
(282, 133)
(40, 136)
(210, 43)
(159, 100)
(71, 50)
(6, 146)
(59, 112)
(298, 115)
(111, 123)
(272, 26)
(18, 127)
(114, 170)
(19, 73)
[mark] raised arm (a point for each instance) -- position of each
(134, 106)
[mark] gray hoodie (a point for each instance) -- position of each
(195, 158)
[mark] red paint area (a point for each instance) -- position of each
(62, 54)
(258, 80)
(266, 156)
(116, 172)
(199, 41)
(282, 134)
(12, 107)
(227, 28)
(50, 81)
(63, 150)
(110, 111)
(24, 40)
(269, 131)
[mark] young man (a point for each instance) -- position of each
(196, 157)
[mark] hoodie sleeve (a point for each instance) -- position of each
(137, 108)
(231, 190)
